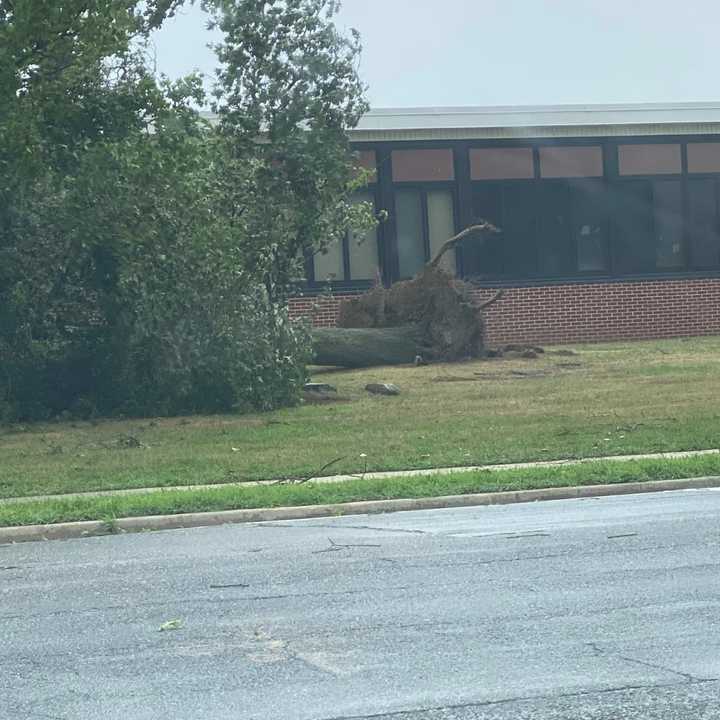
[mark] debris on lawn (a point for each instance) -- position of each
(514, 351)
(171, 625)
(529, 373)
(382, 389)
(316, 387)
(562, 353)
(127, 442)
(313, 397)
(454, 378)
(307, 478)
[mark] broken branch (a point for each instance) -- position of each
(453, 241)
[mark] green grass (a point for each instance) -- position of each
(606, 399)
(171, 501)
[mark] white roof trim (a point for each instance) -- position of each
(537, 121)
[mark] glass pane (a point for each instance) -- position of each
(410, 240)
(422, 165)
(501, 163)
(512, 252)
(554, 240)
(569, 162)
(703, 157)
(329, 264)
(635, 246)
(482, 255)
(363, 248)
(668, 225)
(589, 227)
(518, 230)
(650, 159)
(441, 225)
(703, 224)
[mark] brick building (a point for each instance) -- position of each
(609, 216)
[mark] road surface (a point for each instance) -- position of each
(580, 609)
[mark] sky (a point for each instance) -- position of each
(419, 53)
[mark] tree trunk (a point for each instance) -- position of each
(366, 347)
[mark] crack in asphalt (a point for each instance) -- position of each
(345, 527)
(198, 601)
(655, 666)
(399, 714)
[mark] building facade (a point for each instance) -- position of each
(609, 217)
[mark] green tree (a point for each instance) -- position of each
(287, 94)
(145, 256)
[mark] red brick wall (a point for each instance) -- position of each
(322, 310)
(591, 312)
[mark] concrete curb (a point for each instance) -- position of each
(65, 531)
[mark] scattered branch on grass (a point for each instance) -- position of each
(364, 472)
(307, 478)
(336, 547)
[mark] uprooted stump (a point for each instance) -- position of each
(448, 321)
(433, 317)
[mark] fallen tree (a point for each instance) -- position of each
(433, 317)
(366, 347)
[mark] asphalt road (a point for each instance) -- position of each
(580, 609)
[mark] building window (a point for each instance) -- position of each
(703, 227)
(571, 162)
(363, 257)
(441, 225)
(483, 255)
(502, 163)
(669, 246)
(649, 159)
(555, 228)
(329, 264)
(354, 258)
(511, 207)
(589, 227)
(425, 219)
(703, 157)
(650, 227)
(422, 165)
(571, 228)
(410, 233)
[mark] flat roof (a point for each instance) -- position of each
(432, 123)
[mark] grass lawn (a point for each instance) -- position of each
(172, 501)
(601, 400)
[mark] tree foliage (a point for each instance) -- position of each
(287, 93)
(145, 256)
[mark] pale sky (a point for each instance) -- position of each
(510, 52)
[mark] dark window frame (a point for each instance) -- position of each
(347, 283)
(682, 178)
(383, 194)
(423, 187)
